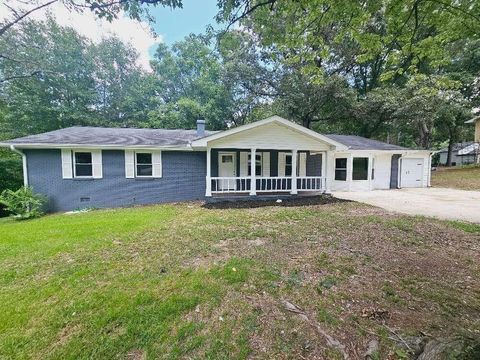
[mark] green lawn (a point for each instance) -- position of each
(185, 281)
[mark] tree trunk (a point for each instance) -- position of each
(449, 152)
(451, 141)
(306, 122)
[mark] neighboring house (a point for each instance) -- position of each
(462, 153)
(82, 167)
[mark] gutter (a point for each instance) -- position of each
(24, 162)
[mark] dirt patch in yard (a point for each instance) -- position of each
(466, 178)
(376, 276)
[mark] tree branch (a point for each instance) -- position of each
(8, 25)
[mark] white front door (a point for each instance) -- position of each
(227, 168)
(412, 172)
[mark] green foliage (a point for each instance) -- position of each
(22, 203)
(403, 72)
(10, 173)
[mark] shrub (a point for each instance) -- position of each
(23, 203)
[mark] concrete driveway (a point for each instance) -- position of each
(450, 204)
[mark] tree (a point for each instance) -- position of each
(125, 93)
(393, 38)
(17, 12)
(59, 98)
(221, 84)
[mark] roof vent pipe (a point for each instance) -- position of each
(200, 128)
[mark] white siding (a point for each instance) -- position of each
(244, 163)
(281, 163)
(266, 164)
(382, 167)
(302, 164)
(271, 136)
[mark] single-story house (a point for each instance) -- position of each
(81, 167)
(463, 153)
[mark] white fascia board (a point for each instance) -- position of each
(403, 152)
(202, 143)
(96, 146)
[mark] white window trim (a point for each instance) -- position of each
(74, 162)
(289, 155)
(337, 168)
(135, 163)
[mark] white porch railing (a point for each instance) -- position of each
(225, 185)
(230, 184)
(274, 184)
(311, 183)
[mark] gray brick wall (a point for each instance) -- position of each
(183, 178)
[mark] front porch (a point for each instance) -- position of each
(275, 172)
(271, 156)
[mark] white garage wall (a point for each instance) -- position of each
(382, 166)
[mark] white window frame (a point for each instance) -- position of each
(74, 162)
(249, 161)
(135, 163)
(368, 167)
(288, 155)
(343, 169)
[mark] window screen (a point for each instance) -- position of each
(360, 168)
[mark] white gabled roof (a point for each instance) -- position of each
(273, 119)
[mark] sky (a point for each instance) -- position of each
(170, 25)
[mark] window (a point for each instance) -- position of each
(258, 164)
(227, 158)
(341, 169)
(83, 164)
(360, 168)
(288, 165)
(143, 164)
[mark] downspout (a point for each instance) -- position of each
(24, 162)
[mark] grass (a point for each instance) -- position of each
(465, 178)
(183, 281)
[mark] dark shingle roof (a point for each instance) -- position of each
(360, 143)
(87, 135)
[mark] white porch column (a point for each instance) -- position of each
(208, 189)
(323, 170)
(253, 181)
(294, 173)
(329, 171)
